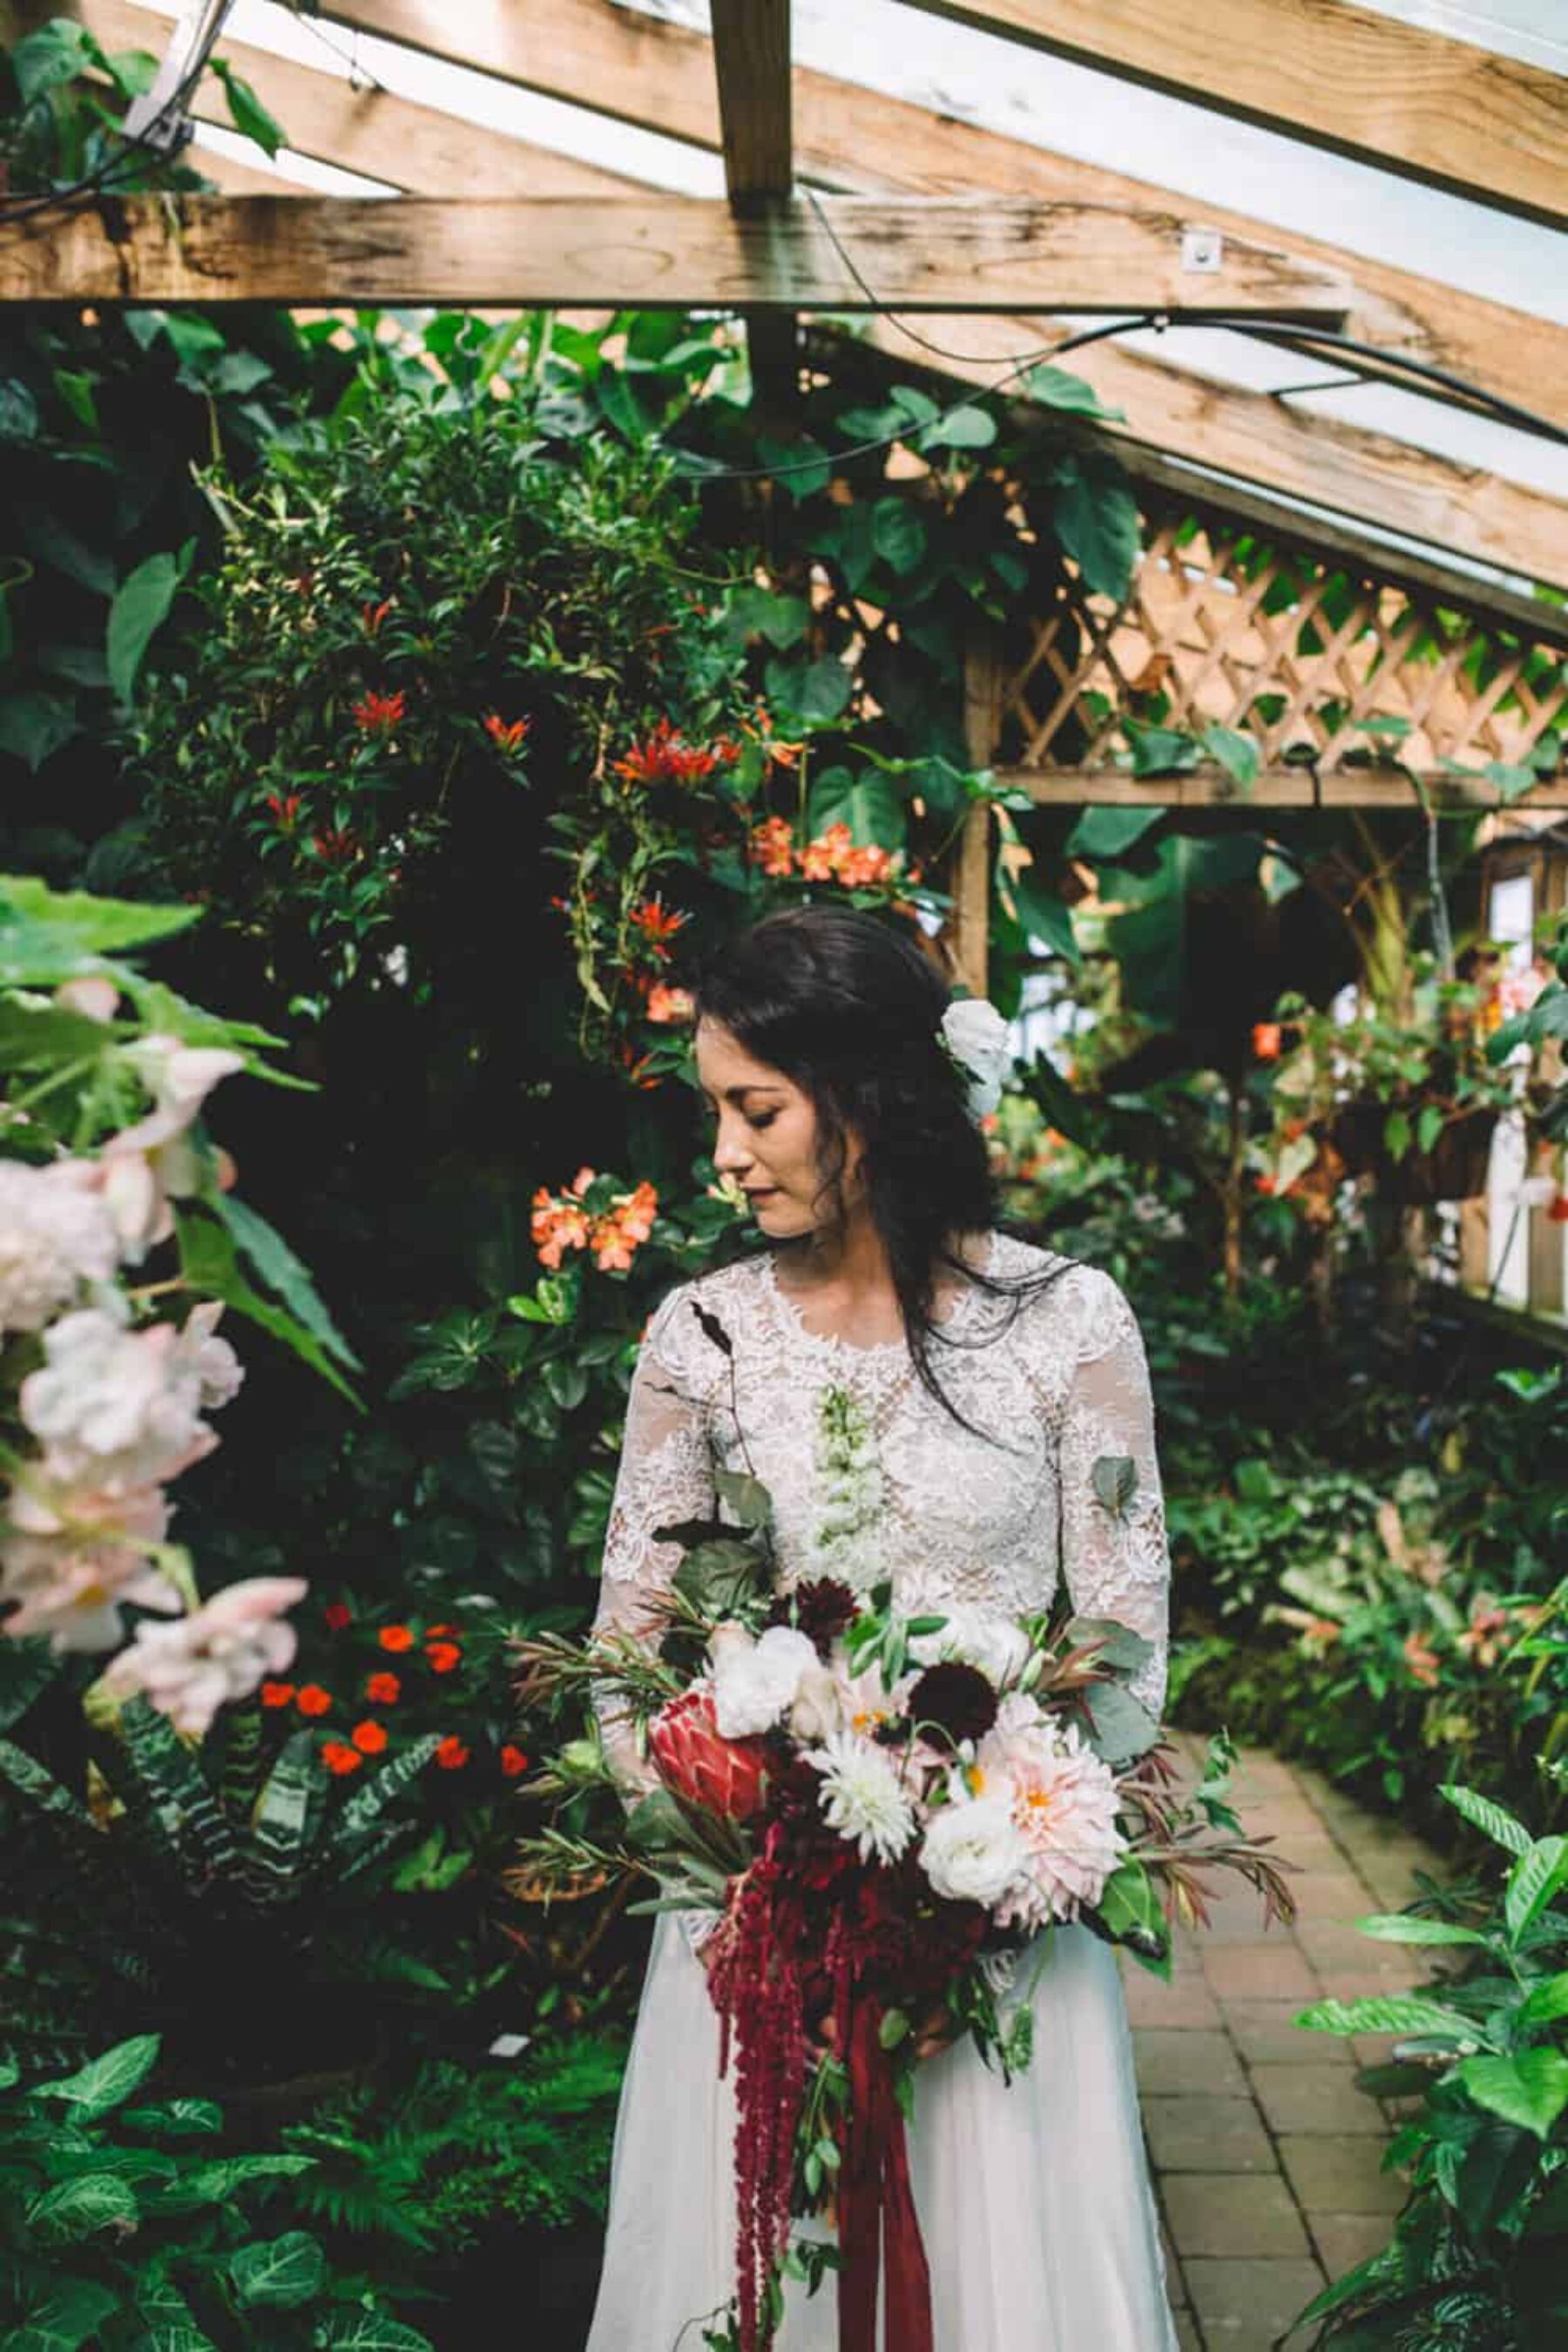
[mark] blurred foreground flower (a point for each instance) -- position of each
(221, 1651)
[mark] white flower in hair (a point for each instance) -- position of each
(976, 1037)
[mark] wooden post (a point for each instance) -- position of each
(968, 932)
(751, 54)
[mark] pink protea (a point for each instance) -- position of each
(1065, 1803)
(696, 1761)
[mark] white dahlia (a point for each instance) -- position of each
(1064, 1804)
(974, 1849)
(862, 1796)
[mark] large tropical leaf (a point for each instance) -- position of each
(1529, 2089)
(281, 2272)
(105, 2083)
(177, 1787)
(1494, 1820)
(81, 2206)
(69, 2312)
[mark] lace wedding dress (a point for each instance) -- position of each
(1034, 2197)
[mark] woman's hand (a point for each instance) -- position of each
(935, 2030)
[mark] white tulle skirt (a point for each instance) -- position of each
(1034, 2197)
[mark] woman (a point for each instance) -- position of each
(994, 1376)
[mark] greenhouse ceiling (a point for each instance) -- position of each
(1401, 166)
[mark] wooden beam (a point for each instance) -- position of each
(1210, 788)
(752, 57)
(651, 250)
(625, 63)
(1386, 92)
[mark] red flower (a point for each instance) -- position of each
(507, 736)
(666, 758)
(395, 1637)
(727, 1776)
(378, 714)
(276, 1693)
(451, 1755)
(311, 1699)
(512, 1761)
(433, 1633)
(1557, 1212)
(334, 843)
(285, 807)
(337, 1615)
(383, 1690)
(338, 1757)
(369, 1738)
(658, 923)
(372, 615)
(442, 1656)
(1265, 1040)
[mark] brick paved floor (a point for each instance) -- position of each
(1266, 2156)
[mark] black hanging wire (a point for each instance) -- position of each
(108, 177)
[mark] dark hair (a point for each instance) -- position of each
(850, 1008)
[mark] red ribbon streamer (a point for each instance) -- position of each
(877, 2226)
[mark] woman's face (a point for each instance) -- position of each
(767, 1134)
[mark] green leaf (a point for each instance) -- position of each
(80, 2207)
(1544, 2002)
(1237, 754)
(755, 612)
(57, 53)
(1402, 2013)
(47, 936)
(176, 2118)
(1529, 2089)
(1535, 1879)
(247, 114)
(899, 533)
(171, 2323)
(281, 2272)
(800, 467)
(867, 804)
(1044, 916)
(747, 1497)
(1055, 387)
(277, 1265)
(70, 2311)
(19, 411)
(1114, 1478)
(1107, 832)
(1402, 1928)
(1162, 750)
(965, 427)
(818, 693)
(35, 725)
(107, 2082)
(893, 2029)
(215, 2184)
(140, 606)
(74, 386)
(367, 2331)
(1096, 520)
(1123, 1727)
(208, 1264)
(1483, 1814)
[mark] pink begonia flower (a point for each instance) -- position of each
(1064, 1803)
(221, 1651)
(56, 1234)
(154, 1162)
(217, 1368)
(71, 1558)
(115, 1409)
(91, 995)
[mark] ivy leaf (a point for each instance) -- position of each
(899, 533)
(798, 467)
(34, 726)
(1096, 520)
(819, 693)
(247, 114)
(1237, 753)
(140, 608)
(1162, 750)
(1107, 832)
(961, 428)
(1055, 388)
(755, 612)
(867, 804)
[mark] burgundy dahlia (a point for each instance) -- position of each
(956, 1699)
(821, 1608)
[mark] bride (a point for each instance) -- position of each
(994, 1376)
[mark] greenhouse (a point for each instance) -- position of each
(783, 1231)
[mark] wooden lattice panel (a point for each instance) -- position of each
(1298, 652)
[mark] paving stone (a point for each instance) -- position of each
(1310, 2098)
(1343, 1984)
(1336, 1949)
(1227, 2214)
(1337, 1895)
(1246, 2303)
(1186, 2000)
(1265, 2032)
(1342, 2239)
(1393, 1879)
(1173, 2058)
(1188, 2335)
(1311, 1851)
(1338, 2172)
(1281, 1817)
(1193, 2133)
(1278, 1970)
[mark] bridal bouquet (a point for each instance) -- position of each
(872, 1816)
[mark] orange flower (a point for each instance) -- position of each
(311, 1699)
(772, 843)
(440, 1633)
(276, 1693)
(658, 923)
(372, 616)
(383, 1690)
(369, 1738)
(395, 1637)
(667, 1007)
(666, 758)
(1421, 1660)
(378, 714)
(442, 1656)
(338, 1757)
(507, 735)
(512, 1761)
(451, 1755)
(556, 1227)
(1265, 1040)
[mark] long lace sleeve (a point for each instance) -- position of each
(1115, 1556)
(665, 1475)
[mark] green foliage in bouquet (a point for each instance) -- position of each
(1479, 2259)
(123, 2226)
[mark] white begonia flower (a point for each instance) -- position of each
(56, 1235)
(862, 1797)
(115, 1409)
(977, 1037)
(976, 1637)
(154, 1162)
(818, 1709)
(217, 1368)
(974, 1849)
(217, 1654)
(755, 1682)
(70, 1559)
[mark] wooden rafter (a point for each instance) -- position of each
(1389, 93)
(653, 250)
(1273, 788)
(636, 68)
(751, 58)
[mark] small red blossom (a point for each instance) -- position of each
(658, 923)
(1557, 1210)
(285, 807)
(383, 1690)
(442, 1656)
(666, 758)
(335, 844)
(507, 735)
(378, 714)
(338, 1757)
(369, 1738)
(512, 1761)
(1266, 1040)
(450, 1633)
(397, 1637)
(669, 1006)
(451, 1755)
(311, 1699)
(372, 615)
(1421, 1660)
(337, 1615)
(276, 1693)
